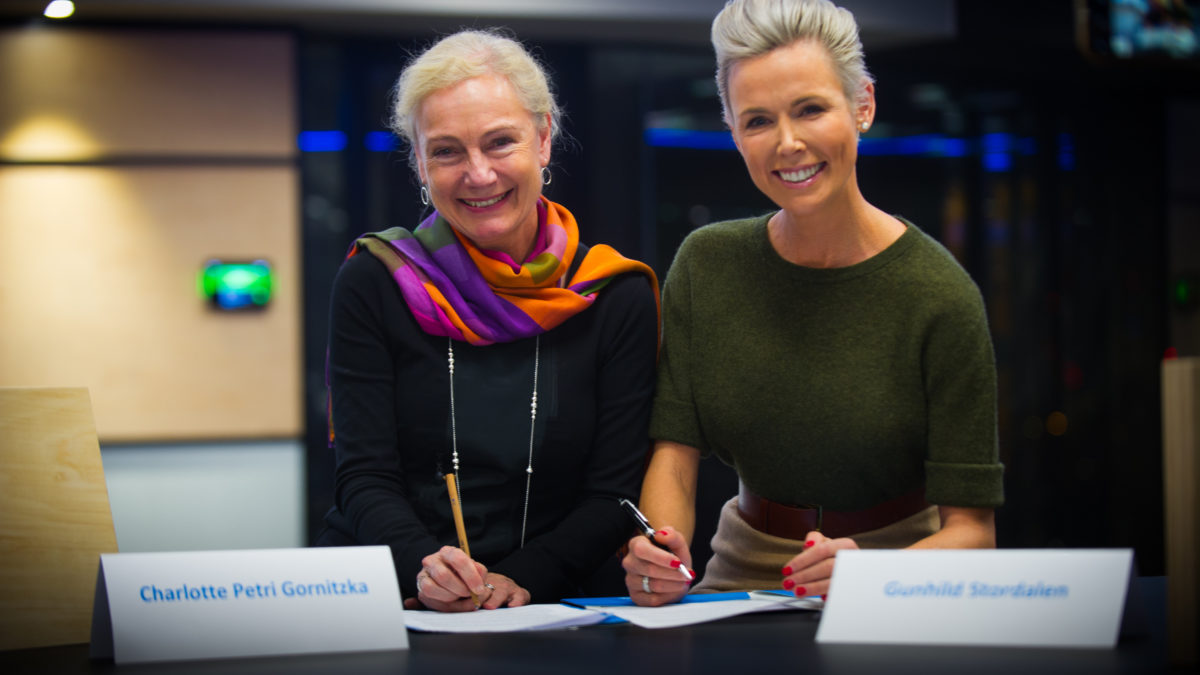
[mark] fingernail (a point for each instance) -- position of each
(825, 597)
(799, 592)
(663, 532)
(787, 571)
(809, 543)
(788, 583)
(675, 564)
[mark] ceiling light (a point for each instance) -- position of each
(59, 9)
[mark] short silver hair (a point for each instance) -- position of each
(745, 29)
(461, 56)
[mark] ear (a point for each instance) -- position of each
(864, 111)
(545, 134)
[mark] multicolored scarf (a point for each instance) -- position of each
(453, 288)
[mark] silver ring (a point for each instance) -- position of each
(489, 586)
(420, 577)
(646, 584)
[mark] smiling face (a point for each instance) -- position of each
(795, 128)
(480, 154)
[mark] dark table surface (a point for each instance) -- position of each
(774, 642)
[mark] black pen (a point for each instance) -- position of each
(644, 526)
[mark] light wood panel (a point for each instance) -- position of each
(80, 94)
(128, 157)
(1181, 489)
(98, 269)
(54, 517)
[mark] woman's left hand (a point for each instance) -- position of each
(809, 573)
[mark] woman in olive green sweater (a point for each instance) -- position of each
(833, 354)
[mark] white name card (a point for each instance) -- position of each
(225, 604)
(1027, 597)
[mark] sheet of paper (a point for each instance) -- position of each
(687, 613)
(502, 620)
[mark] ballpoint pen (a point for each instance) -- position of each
(644, 526)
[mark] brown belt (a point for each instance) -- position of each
(795, 522)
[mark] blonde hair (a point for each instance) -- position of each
(461, 56)
(748, 28)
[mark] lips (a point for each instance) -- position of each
(484, 203)
(800, 175)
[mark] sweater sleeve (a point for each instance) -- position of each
(674, 414)
(594, 528)
(962, 466)
(369, 480)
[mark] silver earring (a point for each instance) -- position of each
(864, 126)
(424, 196)
(546, 177)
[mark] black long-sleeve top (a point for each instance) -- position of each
(391, 412)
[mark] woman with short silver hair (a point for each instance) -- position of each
(835, 355)
(491, 343)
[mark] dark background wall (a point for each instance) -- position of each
(1042, 169)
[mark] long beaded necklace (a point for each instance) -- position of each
(537, 349)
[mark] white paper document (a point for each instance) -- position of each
(502, 620)
(700, 610)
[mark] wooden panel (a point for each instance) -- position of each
(1181, 488)
(83, 94)
(98, 270)
(54, 517)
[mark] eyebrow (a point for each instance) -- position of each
(490, 132)
(799, 101)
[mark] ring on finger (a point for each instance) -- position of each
(420, 577)
(489, 586)
(646, 584)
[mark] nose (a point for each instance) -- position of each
(790, 141)
(479, 169)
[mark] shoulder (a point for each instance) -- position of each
(936, 273)
(363, 281)
(720, 240)
(724, 233)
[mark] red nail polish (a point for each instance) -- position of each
(825, 597)
(663, 532)
(788, 583)
(800, 593)
(809, 543)
(675, 564)
(787, 571)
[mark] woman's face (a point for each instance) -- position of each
(795, 129)
(481, 155)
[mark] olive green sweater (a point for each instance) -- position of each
(843, 387)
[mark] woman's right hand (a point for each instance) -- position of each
(648, 566)
(448, 578)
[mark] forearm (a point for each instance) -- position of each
(962, 528)
(669, 488)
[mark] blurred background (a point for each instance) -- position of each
(1049, 145)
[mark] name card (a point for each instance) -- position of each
(226, 604)
(1026, 597)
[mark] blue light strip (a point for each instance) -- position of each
(688, 138)
(321, 141)
(995, 149)
(381, 141)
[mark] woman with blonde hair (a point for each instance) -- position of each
(835, 355)
(491, 343)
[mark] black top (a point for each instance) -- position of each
(391, 412)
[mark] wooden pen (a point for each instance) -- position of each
(459, 527)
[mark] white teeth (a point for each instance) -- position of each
(486, 202)
(801, 175)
